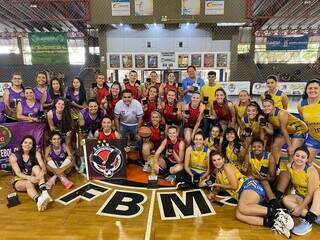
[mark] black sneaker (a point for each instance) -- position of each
(182, 186)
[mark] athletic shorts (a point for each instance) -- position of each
(169, 164)
(254, 185)
(312, 143)
(277, 133)
(197, 173)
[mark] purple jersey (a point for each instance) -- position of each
(14, 97)
(30, 111)
(25, 167)
(56, 121)
(58, 158)
(38, 95)
(72, 96)
(91, 123)
(2, 112)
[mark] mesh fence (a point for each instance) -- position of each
(173, 40)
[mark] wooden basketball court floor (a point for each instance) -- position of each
(79, 220)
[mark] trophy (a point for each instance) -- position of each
(152, 178)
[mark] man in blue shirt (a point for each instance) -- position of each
(191, 84)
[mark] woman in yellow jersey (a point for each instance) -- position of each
(253, 124)
(287, 128)
(309, 110)
(214, 141)
(244, 100)
(306, 200)
(261, 165)
(279, 97)
(196, 164)
(250, 195)
(232, 148)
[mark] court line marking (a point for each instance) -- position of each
(150, 216)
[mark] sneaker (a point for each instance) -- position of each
(51, 181)
(317, 221)
(42, 202)
(82, 167)
(281, 229)
(170, 178)
(284, 217)
(147, 167)
(66, 182)
(46, 194)
(303, 228)
(182, 186)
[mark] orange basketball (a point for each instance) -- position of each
(144, 132)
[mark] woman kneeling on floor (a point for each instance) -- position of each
(250, 195)
(306, 200)
(29, 169)
(59, 161)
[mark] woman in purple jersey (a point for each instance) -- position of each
(41, 90)
(29, 170)
(28, 109)
(55, 91)
(59, 119)
(59, 161)
(13, 95)
(76, 94)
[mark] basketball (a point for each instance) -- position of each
(144, 132)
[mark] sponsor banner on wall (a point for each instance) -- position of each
(208, 60)
(190, 7)
(105, 160)
(3, 86)
(114, 60)
(276, 43)
(49, 48)
(183, 60)
(168, 60)
(140, 60)
(152, 60)
(127, 61)
(196, 59)
(222, 60)
(290, 88)
(11, 134)
(143, 7)
(120, 7)
(234, 88)
(214, 7)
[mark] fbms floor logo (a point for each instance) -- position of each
(129, 203)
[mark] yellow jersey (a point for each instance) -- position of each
(311, 116)
(231, 156)
(241, 110)
(199, 159)
(299, 179)
(259, 167)
(223, 179)
(294, 124)
(252, 124)
(211, 145)
(209, 91)
(277, 97)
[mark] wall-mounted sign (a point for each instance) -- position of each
(120, 7)
(190, 7)
(143, 7)
(276, 43)
(214, 7)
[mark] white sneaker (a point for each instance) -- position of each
(147, 167)
(284, 218)
(46, 194)
(280, 228)
(42, 203)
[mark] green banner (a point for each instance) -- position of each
(49, 48)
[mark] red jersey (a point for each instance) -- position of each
(193, 116)
(221, 113)
(101, 94)
(169, 151)
(168, 113)
(168, 87)
(102, 136)
(151, 106)
(134, 90)
(155, 137)
(111, 106)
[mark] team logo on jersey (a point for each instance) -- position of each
(5, 136)
(106, 160)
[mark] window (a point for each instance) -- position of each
(76, 51)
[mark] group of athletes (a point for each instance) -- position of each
(194, 134)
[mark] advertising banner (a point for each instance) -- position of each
(276, 43)
(105, 160)
(3, 86)
(49, 48)
(11, 134)
(143, 7)
(120, 7)
(214, 7)
(190, 7)
(290, 88)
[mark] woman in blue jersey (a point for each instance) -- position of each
(29, 170)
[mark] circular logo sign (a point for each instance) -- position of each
(106, 160)
(5, 136)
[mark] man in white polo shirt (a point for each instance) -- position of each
(128, 114)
